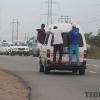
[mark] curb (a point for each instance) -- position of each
(21, 80)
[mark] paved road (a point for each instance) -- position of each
(56, 86)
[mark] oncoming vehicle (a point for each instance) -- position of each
(46, 52)
(20, 48)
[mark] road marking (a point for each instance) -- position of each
(88, 64)
(93, 65)
(93, 72)
(96, 66)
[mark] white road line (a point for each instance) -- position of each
(96, 66)
(88, 64)
(93, 72)
(93, 65)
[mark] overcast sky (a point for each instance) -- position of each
(31, 13)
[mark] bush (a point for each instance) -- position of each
(94, 52)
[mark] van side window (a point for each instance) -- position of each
(46, 39)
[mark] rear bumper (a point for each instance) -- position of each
(60, 66)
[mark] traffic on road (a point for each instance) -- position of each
(20, 48)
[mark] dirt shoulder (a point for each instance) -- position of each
(12, 87)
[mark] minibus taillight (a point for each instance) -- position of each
(85, 53)
(48, 53)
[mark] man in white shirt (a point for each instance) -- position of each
(58, 43)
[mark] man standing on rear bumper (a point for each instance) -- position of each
(74, 44)
(58, 43)
(41, 34)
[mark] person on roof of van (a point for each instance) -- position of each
(74, 44)
(41, 34)
(58, 43)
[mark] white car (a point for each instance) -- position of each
(19, 48)
(4, 48)
(46, 52)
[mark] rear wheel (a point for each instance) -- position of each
(82, 72)
(41, 66)
(46, 69)
(33, 55)
(12, 54)
(20, 54)
(74, 71)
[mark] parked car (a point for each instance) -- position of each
(36, 49)
(46, 52)
(19, 48)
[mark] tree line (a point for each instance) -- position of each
(93, 39)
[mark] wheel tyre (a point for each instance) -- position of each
(74, 72)
(33, 55)
(46, 69)
(27, 54)
(7, 53)
(20, 54)
(12, 54)
(41, 67)
(37, 55)
(81, 71)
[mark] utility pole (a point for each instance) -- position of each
(17, 29)
(15, 22)
(49, 16)
(25, 38)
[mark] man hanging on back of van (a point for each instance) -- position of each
(41, 34)
(58, 43)
(74, 44)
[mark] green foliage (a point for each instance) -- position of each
(93, 40)
(94, 52)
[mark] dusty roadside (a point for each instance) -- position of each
(12, 88)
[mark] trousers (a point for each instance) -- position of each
(73, 48)
(58, 47)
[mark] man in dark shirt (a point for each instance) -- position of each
(41, 34)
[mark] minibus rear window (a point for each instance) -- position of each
(66, 40)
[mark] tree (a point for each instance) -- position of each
(88, 37)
